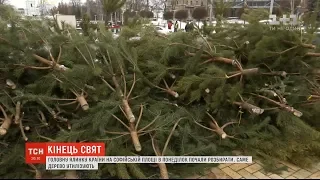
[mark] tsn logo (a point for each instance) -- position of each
(291, 20)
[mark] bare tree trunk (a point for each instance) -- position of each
(271, 7)
(210, 11)
(88, 9)
(292, 6)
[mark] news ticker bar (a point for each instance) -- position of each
(91, 163)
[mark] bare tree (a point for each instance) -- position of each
(3, 1)
(76, 8)
(111, 6)
(88, 7)
(139, 5)
(42, 6)
(157, 4)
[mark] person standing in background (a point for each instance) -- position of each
(169, 25)
(191, 26)
(176, 26)
(187, 27)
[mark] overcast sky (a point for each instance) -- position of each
(22, 3)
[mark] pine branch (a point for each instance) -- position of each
(276, 73)
(249, 107)
(286, 50)
(10, 44)
(283, 106)
(52, 111)
(51, 64)
(135, 137)
(194, 47)
(148, 125)
(128, 111)
(11, 84)
(162, 166)
(71, 174)
(194, 54)
(18, 112)
(169, 137)
(309, 46)
(252, 71)
(140, 116)
(81, 98)
(38, 174)
(21, 128)
(109, 86)
(84, 57)
(273, 94)
(43, 137)
(6, 122)
(132, 128)
(32, 67)
(221, 59)
(169, 90)
(216, 128)
(313, 54)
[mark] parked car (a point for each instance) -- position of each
(162, 30)
(79, 29)
(115, 36)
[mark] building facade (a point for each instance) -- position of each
(190, 5)
(183, 4)
(235, 6)
(31, 8)
(21, 11)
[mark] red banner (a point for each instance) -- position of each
(37, 152)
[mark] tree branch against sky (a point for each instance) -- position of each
(153, 4)
(110, 6)
(3, 1)
(156, 4)
(22, 3)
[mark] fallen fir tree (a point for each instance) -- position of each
(249, 89)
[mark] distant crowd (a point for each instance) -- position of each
(189, 26)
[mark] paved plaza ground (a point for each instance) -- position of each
(255, 170)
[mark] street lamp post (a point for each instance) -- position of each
(122, 16)
(210, 11)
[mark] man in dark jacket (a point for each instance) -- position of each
(187, 27)
(191, 26)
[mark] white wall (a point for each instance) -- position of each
(31, 8)
(68, 19)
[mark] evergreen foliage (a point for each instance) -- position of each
(221, 8)
(146, 14)
(249, 88)
(200, 13)
(167, 15)
(110, 6)
(181, 14)
(85, 24)
(312, 5)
